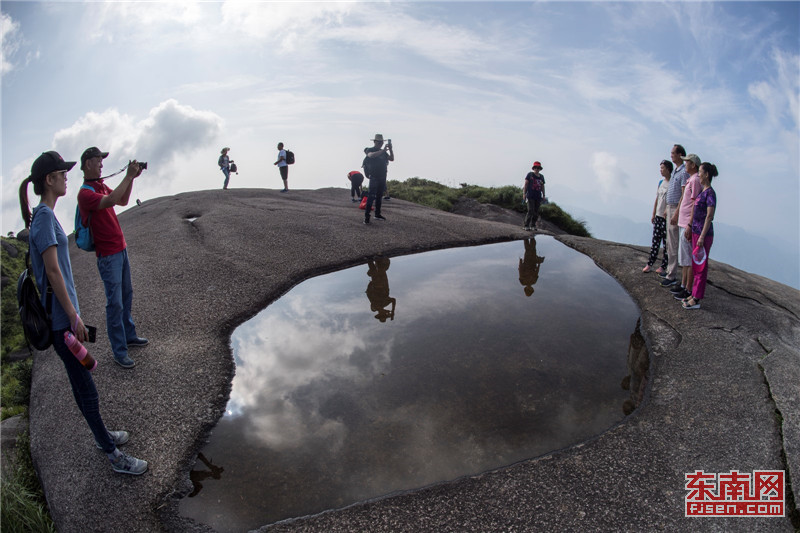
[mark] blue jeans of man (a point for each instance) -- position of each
(227, 172)
(376, 187)
(115, 271)
(84, 391)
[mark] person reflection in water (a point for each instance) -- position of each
(529, 267)
(638, 367)
(214, 472)
(378, 289)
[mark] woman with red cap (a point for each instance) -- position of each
(532, 194)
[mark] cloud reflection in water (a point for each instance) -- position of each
(330, 406)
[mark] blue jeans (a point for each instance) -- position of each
(84, 391)
(227, 172)
(115, 271)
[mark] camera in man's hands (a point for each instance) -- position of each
(142, 165)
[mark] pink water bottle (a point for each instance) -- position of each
(79, 351)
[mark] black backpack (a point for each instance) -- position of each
(289, 157)
(367, 166)
(35, 318)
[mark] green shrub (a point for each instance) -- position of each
(433, 194)
(16, 387)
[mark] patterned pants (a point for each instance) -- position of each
(659, 236)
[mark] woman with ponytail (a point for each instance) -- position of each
(51, 265)
(702, 234)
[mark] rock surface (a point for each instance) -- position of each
(204, 262)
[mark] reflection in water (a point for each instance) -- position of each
(529, 267)
(638, 368)
(378, 289)
(197, 476)
(330, 406)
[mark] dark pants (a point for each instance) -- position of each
(659, 237)
(533, 211)
(355, 187)
(376, 187)
(84, 391)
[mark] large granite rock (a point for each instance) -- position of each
(204, 262)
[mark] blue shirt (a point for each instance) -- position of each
(676, 183)
(45, 232)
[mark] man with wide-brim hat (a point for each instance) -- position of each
(376, 165)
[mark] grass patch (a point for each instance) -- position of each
(433, 194)
(22, 504)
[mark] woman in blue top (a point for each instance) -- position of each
(224, 163)
(50, 262)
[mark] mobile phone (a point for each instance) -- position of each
(92, 333)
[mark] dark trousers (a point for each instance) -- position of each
(355, 188)
(533, 211)
(84, 391)
(376, 188)
(659, 237)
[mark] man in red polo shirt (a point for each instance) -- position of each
(95, 198)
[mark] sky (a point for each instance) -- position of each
(469, 92)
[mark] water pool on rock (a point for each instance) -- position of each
(413, 370)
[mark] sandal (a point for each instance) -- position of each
(646, 269)
(691, 303)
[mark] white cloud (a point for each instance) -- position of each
(11, 36)
(171, 131)
(607, 169)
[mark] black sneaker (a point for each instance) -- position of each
(666, 282)
(682, 295)
(380, 217)
(677, 289)
(366, 220)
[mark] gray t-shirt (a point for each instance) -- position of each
(45, 232)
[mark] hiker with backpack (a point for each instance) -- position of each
(224, 163)
(96, 203)
(283, 166)
(376, 164)
(49, 253)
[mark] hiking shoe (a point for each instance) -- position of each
(119, 438)
(676, 289)
(666, 282)
(126, 464)
(125, 362)
(138, 341)
(663, 274)
(387, 197)
(380, 217)
(682, 295)
(353, 200)
(366, 219)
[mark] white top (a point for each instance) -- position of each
(282, 154)
(661, 203)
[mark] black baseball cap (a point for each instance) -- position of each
(89, 153)
(49, 162)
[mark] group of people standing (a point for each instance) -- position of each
(50, 262)
(682, 219)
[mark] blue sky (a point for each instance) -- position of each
(469, 92)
